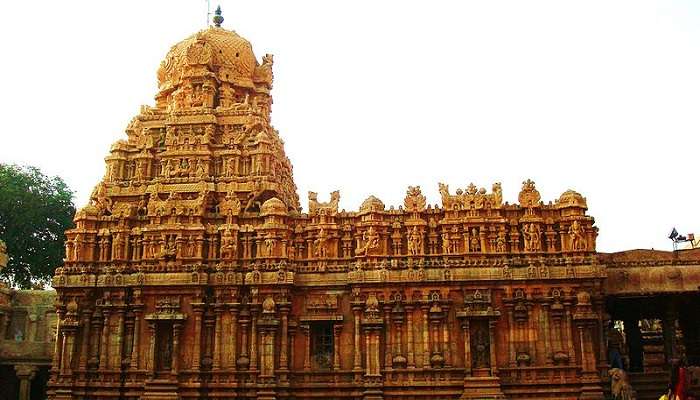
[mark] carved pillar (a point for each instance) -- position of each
(368, 353)
(531, 330)
(398, 347)
(267, 352)
(56, 362)
(292, 335)
(387, 337)
(254, 342)
(175, 366)
(233, 338)
(567, 333)
(492, 347)
(151, 360)
(511, 338)
(357, 348)
(197, 343)
(410, 354)
(243, 360)
(216, 363)
(467, 348)
(117, 357)
(307, 347)
(426, 334)
(67, 350)
(669, 333)
(104, 342)
(136, 341)
(377, 364)
(446, 341)
(284, 337)
(337, 329)
(435, 336)
(95, 334)
(85, 341)
(25, 374)
(547, 334)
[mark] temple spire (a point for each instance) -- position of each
(218, 19)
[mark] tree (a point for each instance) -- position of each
(35, 211)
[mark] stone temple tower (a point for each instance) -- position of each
(193, 273)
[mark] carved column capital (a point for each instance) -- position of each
(25, 371)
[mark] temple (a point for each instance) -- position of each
(193, 272)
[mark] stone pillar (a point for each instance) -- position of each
(233, 338)
(531, 330)
(387, 337)
(85, 341)
(398, 346)
(95, 334)
(368, 353)
(68, 350)
(151, 360)
(669, 333)
(175, 366)
(426, 340)
(117, 357)
(547, 334)
(197, 343)
(377, 364)
(568, 335)
(511, 338)
(446, 341)
(56, 362)
(410, 354)
(284, 338)
(104, 342)
(467, 348)
(216, 363)
(307, 347)
(254, 342)
(292, 344)
(337, 329)
(492, 347)
(25, 374)
(136, 340)
(357, 348)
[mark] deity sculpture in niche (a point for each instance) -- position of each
(474, 242)
(501, 241)
(370, 241)
(320, 245)
(229, 244)
(578, 240)
(415, 242)
(531, 235)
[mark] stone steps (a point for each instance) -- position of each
(649, 385)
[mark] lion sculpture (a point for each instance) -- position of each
(620, 385)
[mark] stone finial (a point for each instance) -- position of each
(218, 19)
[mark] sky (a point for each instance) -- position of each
(602, 97)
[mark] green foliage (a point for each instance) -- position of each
(35, 211)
